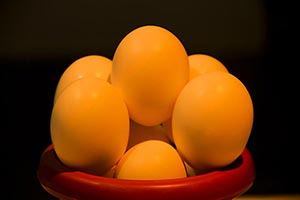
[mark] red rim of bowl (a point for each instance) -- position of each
(64, 183)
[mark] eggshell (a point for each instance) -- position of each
(90, 126)
(88, 66)
(203, 63)
(150, 66)
(151, 160)
(212, 120)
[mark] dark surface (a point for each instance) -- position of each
(38, 41)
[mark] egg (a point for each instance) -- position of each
(150, 66)
(203, 63)
(151, 160)
(140, 133)
(212, 120)
(199, 64)
(88, 66)
(90, 126)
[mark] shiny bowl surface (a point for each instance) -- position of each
(65, 183)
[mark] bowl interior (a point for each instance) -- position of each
(65, 183)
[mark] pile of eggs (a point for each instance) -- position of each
(152, 112)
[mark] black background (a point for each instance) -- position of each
(254, 39)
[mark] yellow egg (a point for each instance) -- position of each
(140, 133)
(199, 64)
(88, 66)
(90, 125)
(202, 63)
(212, 120)
(151, 160)
(150, 66)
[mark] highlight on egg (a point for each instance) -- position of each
(150, 66)
(204, 63)
(97, 66)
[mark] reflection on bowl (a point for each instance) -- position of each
(65, 183)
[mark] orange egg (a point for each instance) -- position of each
(212, 120)
(202, 63)
(88, 66)
(140, 133)
(90, 125)
(151, 160)
(150, 66)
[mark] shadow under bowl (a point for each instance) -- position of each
(65, 183)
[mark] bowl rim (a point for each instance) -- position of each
(65, 183)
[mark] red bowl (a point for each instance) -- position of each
(65, 183)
